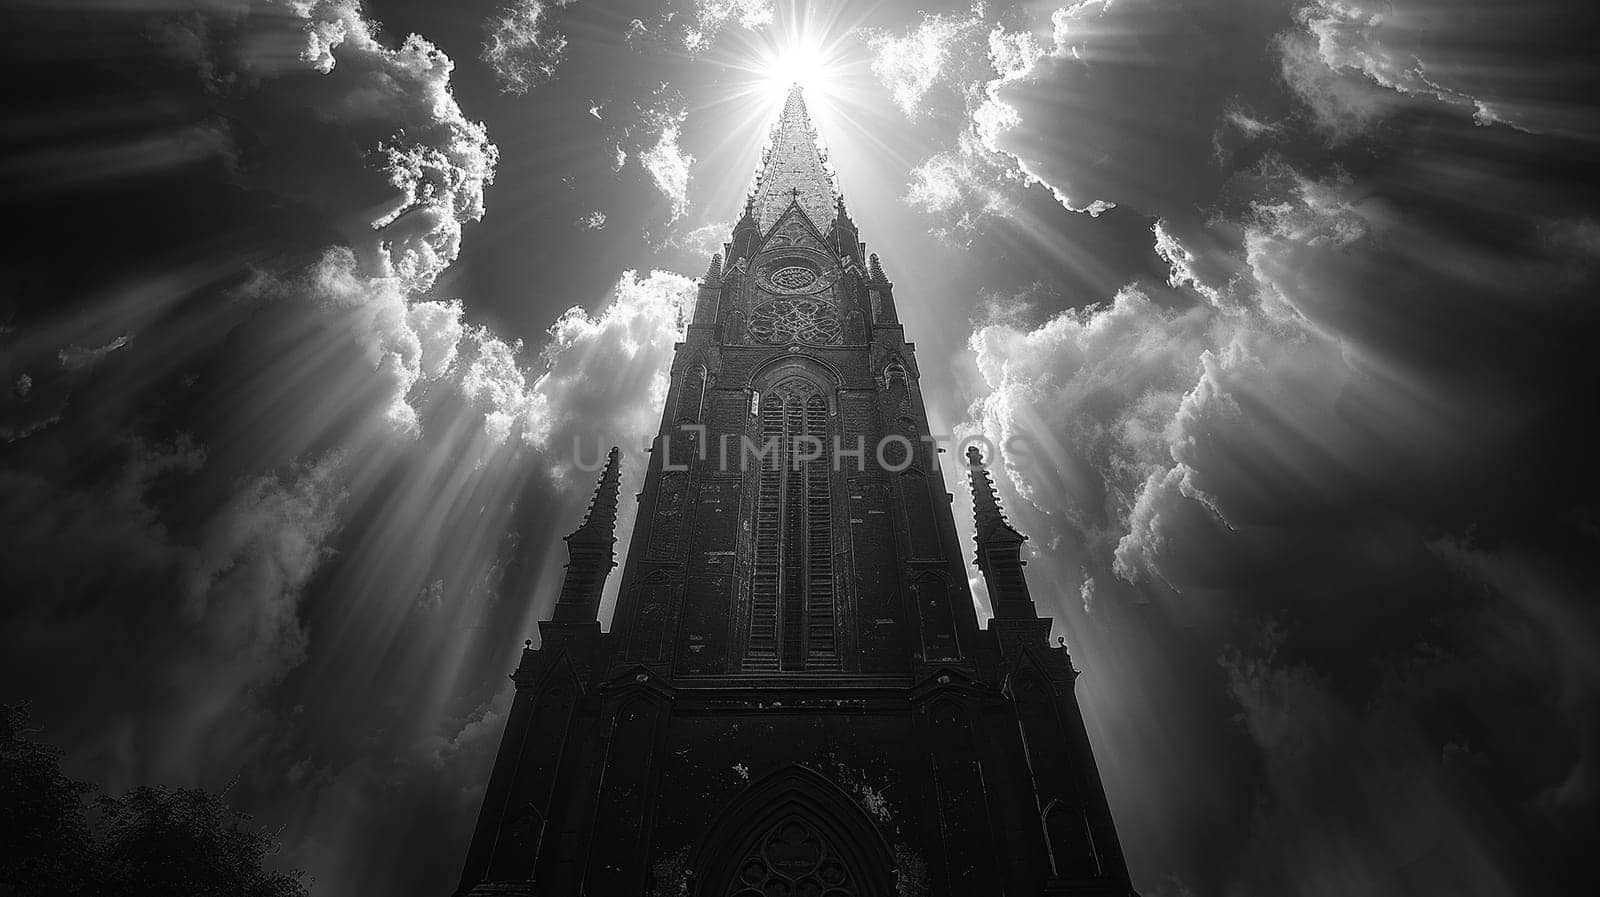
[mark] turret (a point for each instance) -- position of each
(999, 553)
(705, 306)
(591, 551)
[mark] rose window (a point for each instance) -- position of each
(793, 278)
(795, 321)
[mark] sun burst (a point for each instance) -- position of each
(802, 63)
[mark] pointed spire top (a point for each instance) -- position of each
(601, 521)
(591, 550)
(876, 270)
(990, 519)
(794, 169)
(714, 270)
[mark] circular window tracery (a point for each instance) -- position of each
(782, 321)
(793, 277)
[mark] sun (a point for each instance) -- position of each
(801, 62)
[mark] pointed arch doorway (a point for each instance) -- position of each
(794, 834)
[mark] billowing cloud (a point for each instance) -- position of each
(952, 68)
(1294, 453)
(522, 45)
(668, 166)
(1353, 62)
(936, 51)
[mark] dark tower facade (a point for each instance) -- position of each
(795, 697)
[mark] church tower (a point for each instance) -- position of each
(795, 697)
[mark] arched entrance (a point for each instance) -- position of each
(794, 834)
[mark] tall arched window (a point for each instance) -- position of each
(692, 395)
(792, 587)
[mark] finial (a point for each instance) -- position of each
(875, 268)
(602, 516)
(527, 644)
(986, 510)
(591, 550)
(714, 270)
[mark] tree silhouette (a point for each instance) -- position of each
(171, 842)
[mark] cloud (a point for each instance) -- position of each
(695, 25)
(394, 105)
(1356, 333)
(244, 582)
(963, 188)
(553, 408)
(1356, 798)
(712, 16)
(636, 334)
(522, 46)
(669, 169)
(951, 68)
(1354, 62)
(934, 52)
(75, 358)
(1088, 398)
(401, 341)
(203, 628)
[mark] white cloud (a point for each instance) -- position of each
(977, 178)
(964, 187)
(523, 47)
(912, 64)
(633, 336)
(712, 16)
(1091, 395)
(438, 161)
(1142, 421)
(377, 314)
(669, 168)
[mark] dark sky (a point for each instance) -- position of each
(1288, 304)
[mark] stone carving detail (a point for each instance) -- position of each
(797, 320)
(793, 278)
(793, 859)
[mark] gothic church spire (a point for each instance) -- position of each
(794, 169)
(999, 546)
(591, 550)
